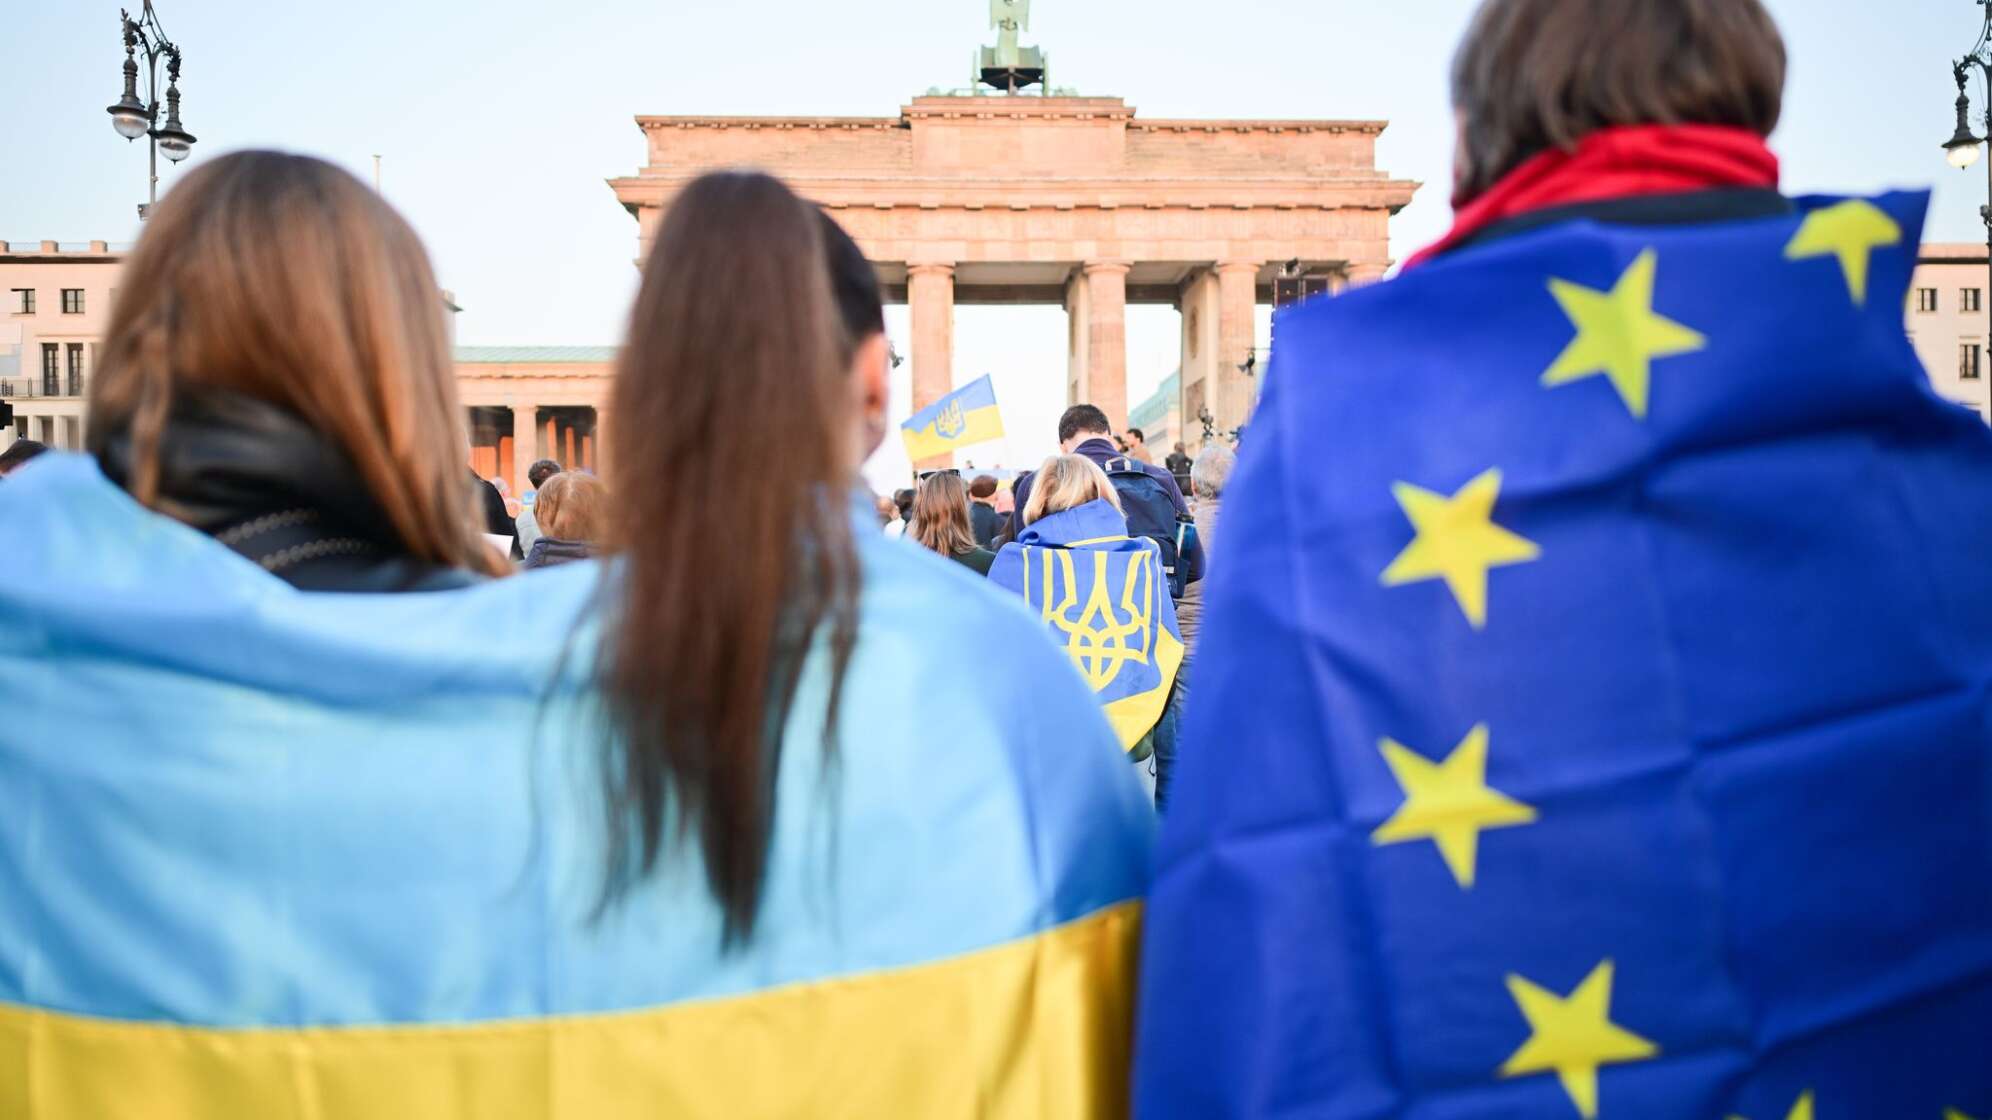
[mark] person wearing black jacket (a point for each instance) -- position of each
(497, 522)
(982, 516)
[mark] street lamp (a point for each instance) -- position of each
(133, 118)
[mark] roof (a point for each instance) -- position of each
(1154, 411)
(1936, 252)
(534, 355)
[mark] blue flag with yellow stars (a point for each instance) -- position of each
(1591, 718)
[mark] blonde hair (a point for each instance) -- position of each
(940, 515)
(1067, 482)
(283, 278)
(573, 507)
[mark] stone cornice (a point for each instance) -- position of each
(1243, 193)
(772, 124)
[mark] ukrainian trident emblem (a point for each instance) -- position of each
(1101, 636)
(950, 423)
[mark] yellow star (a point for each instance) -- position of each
(1618, 335)
(1851, 231)
(1448, 802)
(1802, 1109)
(1573, 1036)
(1457, 541)
(1949, 1114)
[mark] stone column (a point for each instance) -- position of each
(1199, 306)
(1106, 339)
(930, 294)
(1078, 311)
(525, 445)
(1238, 301)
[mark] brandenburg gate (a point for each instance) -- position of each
(1027, 198)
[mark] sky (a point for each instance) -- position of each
(499, 122)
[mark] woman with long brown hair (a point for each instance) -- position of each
(277, 374)
(760, 647)
(941, 524)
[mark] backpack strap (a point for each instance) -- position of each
(1120, 465)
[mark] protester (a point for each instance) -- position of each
(902, 508)
(778, 676)
(497, 520)
(1005, 504)
(360, 855)
(1178, 465)
(575, 512)
(1083, 430)
(1135, 445)
(982, 515)
(17, 455)
(941, 522)
(527, 523)
(234, 394)
(1208, 477)
(1101, 592)
(1602, 731)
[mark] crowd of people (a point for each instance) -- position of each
(336, 784)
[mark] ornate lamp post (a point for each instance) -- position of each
(1964, 147)
(134, 118)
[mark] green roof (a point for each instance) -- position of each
(533, 355)
(1154, 411)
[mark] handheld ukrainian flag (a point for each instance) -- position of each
(332, 857)
(1609, 732)
(1106, 601)
(964, 417)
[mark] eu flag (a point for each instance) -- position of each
(1592, 714)
(966, 416)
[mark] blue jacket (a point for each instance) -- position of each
(1103, 595)
(1102, 451)
(328, 855)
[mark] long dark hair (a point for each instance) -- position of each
(732, 422)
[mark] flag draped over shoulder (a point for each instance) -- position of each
(1592, 714)
(267, 854)
(966, 416)
(1104, 596)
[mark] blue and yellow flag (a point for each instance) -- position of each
(1602, 728)
(964, 417)
(317, 857)
(1106, 600)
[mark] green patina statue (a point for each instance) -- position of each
(1009, 65)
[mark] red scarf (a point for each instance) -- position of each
(1618, 163)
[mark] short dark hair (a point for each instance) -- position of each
(1137, 433)
(984, 486)
(18, 452)
(1083, 419)
(538, 473)
(1533, 75)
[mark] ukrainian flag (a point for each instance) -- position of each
(319, 857)
(964, 417)
(1607, 735)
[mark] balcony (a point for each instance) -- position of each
(60, 387)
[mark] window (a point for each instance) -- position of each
(72, 301)
(24, 301)
(1968, 357)
(1926, 300)
(75, 369)
(51, 374)
(1967, 299)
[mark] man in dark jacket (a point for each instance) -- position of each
(982, 515)
(1084, 431)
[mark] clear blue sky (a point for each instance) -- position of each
(500, 120)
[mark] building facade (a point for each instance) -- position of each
(1947, 321)
(1072, 201)
(57, 305)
